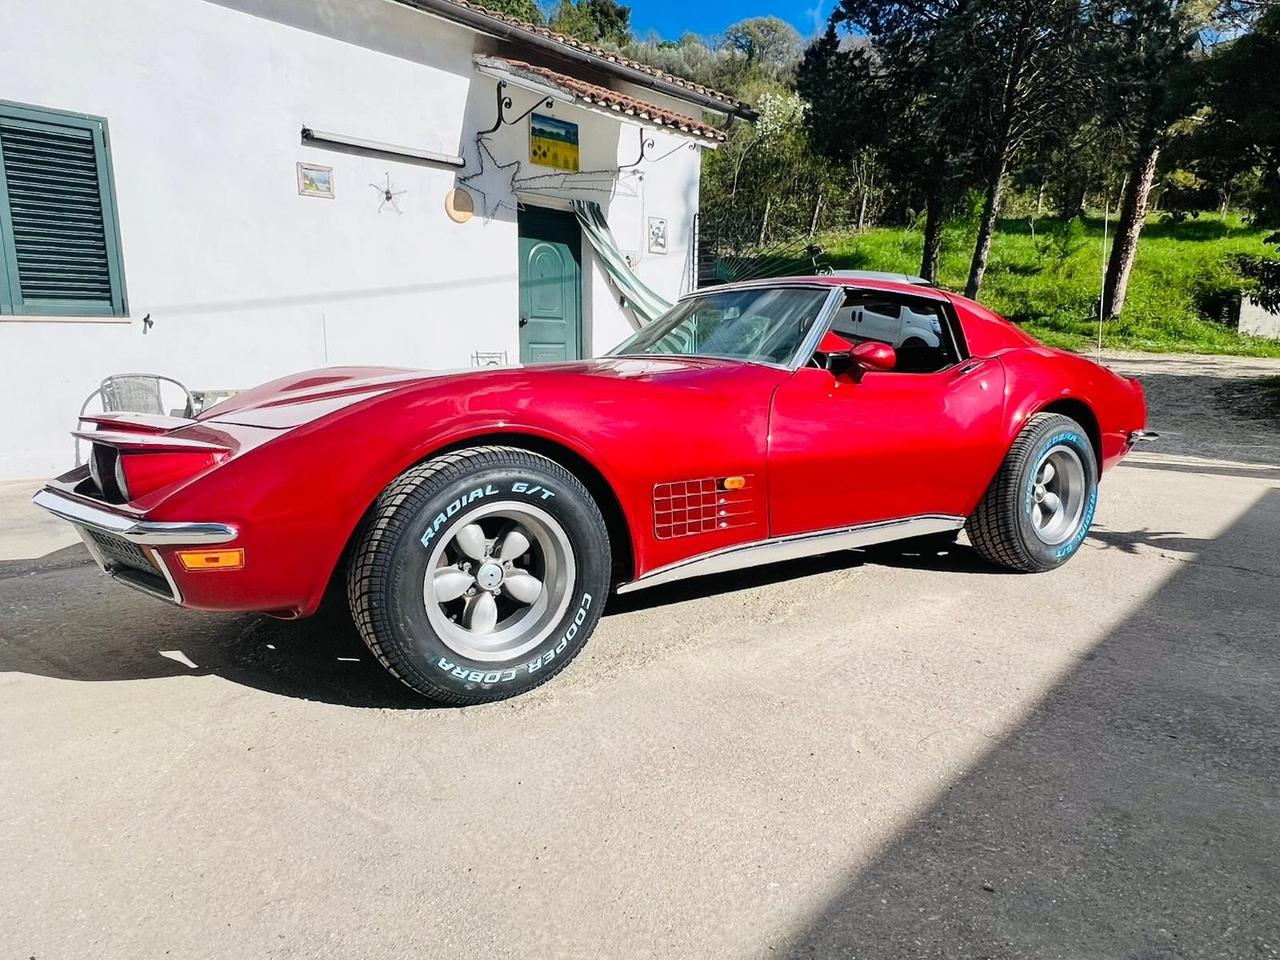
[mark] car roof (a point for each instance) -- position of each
(864, 281)
(910, 278)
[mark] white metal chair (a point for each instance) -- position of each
(136, 393)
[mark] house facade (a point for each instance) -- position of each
(226, 192)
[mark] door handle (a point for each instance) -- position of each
(524, 321)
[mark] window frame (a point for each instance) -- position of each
(12, 304)
(804, 347)
(946, 313)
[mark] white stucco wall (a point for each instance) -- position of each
(246, 280)
(1259, 322)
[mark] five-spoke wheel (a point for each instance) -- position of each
(1058, 494)
(496, 583)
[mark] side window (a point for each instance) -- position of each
(917, 329)
(59, 244)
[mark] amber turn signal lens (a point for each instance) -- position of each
(734, 483)
(212, 559)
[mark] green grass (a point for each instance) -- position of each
(1049, 282)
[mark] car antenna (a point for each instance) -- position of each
(1102, 293)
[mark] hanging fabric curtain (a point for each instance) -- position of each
(646, 304)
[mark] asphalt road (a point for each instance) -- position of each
(874, 755)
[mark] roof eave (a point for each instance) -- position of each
(482, 23)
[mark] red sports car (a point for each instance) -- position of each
(478, 520)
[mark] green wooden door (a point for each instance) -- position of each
(550, 286)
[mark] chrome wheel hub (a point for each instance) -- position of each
(1058, 494)
(489, 576)
(500, 581)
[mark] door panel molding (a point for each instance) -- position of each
(796, 546)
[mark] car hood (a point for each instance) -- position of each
(304, 397)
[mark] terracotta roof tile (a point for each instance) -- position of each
(603, 97)
(601, 52)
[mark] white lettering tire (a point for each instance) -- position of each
(480, 574)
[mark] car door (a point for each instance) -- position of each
(883, 445)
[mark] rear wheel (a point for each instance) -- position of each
(481, 574)
(1037, 511)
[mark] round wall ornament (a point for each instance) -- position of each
(459, 205)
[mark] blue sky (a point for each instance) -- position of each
(674, 17)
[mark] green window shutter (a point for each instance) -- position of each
(59, 240)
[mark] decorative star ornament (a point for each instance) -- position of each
(388, 195)
(501, 190)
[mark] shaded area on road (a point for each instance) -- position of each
(1208, 406)
(1135, 814)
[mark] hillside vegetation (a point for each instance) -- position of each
(1047, 279)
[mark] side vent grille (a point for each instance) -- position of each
(683, 508)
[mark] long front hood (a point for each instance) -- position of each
(304, 397)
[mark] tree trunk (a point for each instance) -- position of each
(817, 207)
(1133, 214)
(932, 236)
(764, 224)
(987, 228)
(1073, 199)
(862, 207)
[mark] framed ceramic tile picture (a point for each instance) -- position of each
(315, 180)
(657, 235)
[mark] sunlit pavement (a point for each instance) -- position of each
(873, 755)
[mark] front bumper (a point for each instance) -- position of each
(125, 548)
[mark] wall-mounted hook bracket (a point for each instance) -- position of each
(504, 104)
(646, 144)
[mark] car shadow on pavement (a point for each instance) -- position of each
(94, 630)
(954, 557)
(73, 623)
(1134, 814)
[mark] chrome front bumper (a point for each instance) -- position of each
(1138, 436)
(112, 541)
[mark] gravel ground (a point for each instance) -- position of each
(1208, 406)
(883, 754)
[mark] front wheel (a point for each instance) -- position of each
(1036, 512)
(481, 574)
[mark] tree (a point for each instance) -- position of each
(1146, 49)
(1237, 137)
(904, 92)
(520, 9)
(768, 43)
(595, 21)
(1027, 58)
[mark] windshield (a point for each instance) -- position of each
(764, 325)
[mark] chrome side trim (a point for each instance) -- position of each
(164, 570)
(796, 546)
(137, 531)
